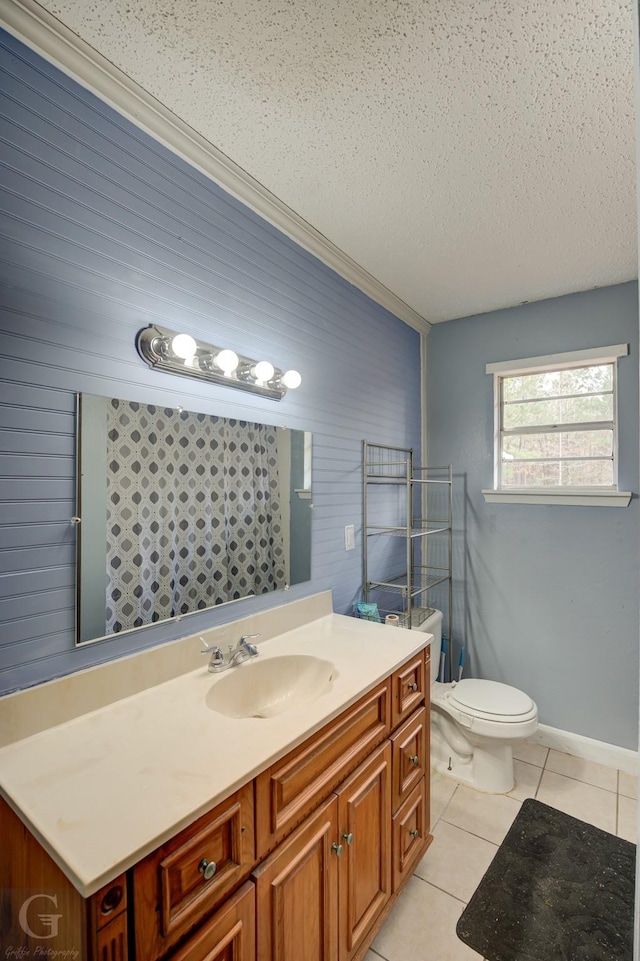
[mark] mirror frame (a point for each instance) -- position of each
(93, 524)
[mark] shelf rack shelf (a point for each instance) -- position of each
(407, 517)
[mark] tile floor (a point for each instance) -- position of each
(467, 828)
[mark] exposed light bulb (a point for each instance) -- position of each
(291, 379)
(227, 361)
(263, 371)
(184, 346)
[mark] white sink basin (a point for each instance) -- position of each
(275, 685)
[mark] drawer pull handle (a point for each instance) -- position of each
(208, 868)
(348, 837)
(338, 849)
(412, 686)
(414, 833)
(415, 760)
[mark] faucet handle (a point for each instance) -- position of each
(245, 645)
(216, 654)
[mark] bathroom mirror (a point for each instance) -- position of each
(179, 512)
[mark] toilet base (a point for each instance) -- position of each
(488, 767)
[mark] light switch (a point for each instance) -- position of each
(349, 537)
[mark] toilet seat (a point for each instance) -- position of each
(490, 700)
(464, 702)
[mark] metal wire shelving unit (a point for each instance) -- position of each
(405, 592)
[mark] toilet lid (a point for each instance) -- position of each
(490, 697)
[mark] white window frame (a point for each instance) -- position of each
(585, 496)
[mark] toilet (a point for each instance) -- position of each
(474, 723)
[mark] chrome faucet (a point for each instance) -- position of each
(235, 655)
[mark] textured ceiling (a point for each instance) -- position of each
(469, 154)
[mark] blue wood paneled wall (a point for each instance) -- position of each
(103, 232)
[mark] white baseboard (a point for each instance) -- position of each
(621, 758)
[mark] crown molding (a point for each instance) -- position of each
(49, 37)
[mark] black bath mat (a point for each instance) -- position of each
(557, 890)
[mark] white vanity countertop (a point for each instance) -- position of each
(103, 790)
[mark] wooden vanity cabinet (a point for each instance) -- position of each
(305, 861)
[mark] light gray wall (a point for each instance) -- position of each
(546, 597)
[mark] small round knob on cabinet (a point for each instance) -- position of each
(111, 900)
(338, 849)
(412, 686)
(415, 760)
(348, 837)
(207, 868)
(414, 833)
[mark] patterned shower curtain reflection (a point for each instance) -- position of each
(193, 513)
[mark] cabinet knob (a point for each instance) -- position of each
(415, 760)
(207, 868)
(412, 686)
(414, 833)
(348, 837)
(338, 849)
(111, 900)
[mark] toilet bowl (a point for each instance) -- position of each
(474, 723)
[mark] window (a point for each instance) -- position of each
(556, 428)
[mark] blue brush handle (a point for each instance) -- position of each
(461, 662)
(443, 660)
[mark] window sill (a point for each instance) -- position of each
(567, 498)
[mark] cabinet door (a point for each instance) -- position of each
(297, 893)
(229, 935)
(364, 816)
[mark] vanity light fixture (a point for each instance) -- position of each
(177, 353)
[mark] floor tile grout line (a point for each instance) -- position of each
(579, 780)
(473, 835)
(442, 890)
(373, 951)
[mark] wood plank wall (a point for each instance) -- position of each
(103, 232)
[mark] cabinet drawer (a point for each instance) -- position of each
(184, 879)
(230, 933)
(407, 688)
(410, 834)
(410, 761)
(292, 787)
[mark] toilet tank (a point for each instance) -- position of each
(433, 625)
